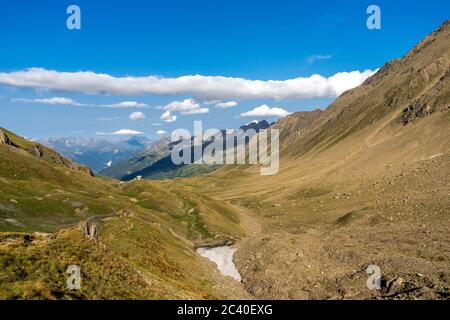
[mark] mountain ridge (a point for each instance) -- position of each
(358, 185)
(155, 161)
(39, 151)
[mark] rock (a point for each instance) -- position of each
(90, 230)
(76, 204)
(13, 201)
(276, 205)
(4, 139)
(37, 151)
(77, 211)
(42, 235)
(256, 290)
(395, 284)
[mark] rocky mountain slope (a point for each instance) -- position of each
(364, 182)
(22, 145)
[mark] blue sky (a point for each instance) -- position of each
(250, 40)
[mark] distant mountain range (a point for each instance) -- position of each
(97, 153)
(155, 161)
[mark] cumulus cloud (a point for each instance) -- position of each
(204, 87)
(265, 111)
(136, 116)
(126, 105)
(160, 132)
(168, 117)
(122, 132)
(53, 101)
(186, 107)
(226, 105)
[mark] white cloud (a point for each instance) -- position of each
(122, 132)
(318, 57)
(126, 105)
(70, 102)
(225, 105)
(156, 124)
(168, 117)
(210, 102)
(53, 101)
(265, 111)
(204, 87)
(136, 116)
(195, 111)
(108, 119)
(186, 107)
(160, 132)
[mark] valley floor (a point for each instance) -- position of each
(319, 242)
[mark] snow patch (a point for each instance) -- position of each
(223, 258)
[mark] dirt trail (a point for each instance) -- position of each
(252, 225)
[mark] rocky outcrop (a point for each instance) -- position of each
(433, 100)
(90, 229)
(4, 139)
(37, 151)
(40, 151)
(86, 170)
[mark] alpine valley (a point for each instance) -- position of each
(363, 182)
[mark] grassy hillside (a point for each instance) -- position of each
(144, 240)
